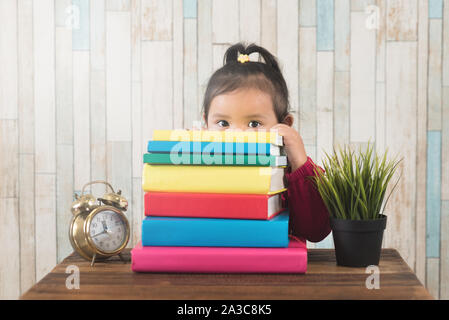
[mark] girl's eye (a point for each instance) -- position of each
(223, 123)
(254, 124)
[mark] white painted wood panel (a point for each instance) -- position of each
(157, 93)
(307, 85)
(9, 163)
(44, 86)
(341, 108)
(97, 30)
(401, 107)
(25, 76)
(268, 25)
(379, 12)
(342, 35)
(81, 119)
(10, 250)
(402, 20)
(288, 48)
(45, 224)
(205, 52)
(433, 279)
(434, 75)
(157, 16)
(325, 103)
(8, 59)
(249, 16)
(363, 71)
(421, 143)
(307, 13)
(178, 62)
(118, 76)
(225, 21)
(191, 110)
(27, 216)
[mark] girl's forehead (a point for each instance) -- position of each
(242, 101)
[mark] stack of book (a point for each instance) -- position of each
(213, 203)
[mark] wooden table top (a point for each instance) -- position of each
(114, 279)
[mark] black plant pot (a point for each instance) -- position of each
(358, 242)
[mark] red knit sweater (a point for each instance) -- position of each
(309, 218)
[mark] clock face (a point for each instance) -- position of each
(108, 230)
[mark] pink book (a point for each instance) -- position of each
(292, 259)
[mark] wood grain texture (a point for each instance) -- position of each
(44, 87)
(342, 35)
(360, 5)
(27, 216)
(268, 25)
(307, 85)
(363, 82)
(205, 52)
(9, 268)
(446, 44)
(378, 14)
(325, 25)
(178, 60)
(444, 258)
(118, 76)
(433, 277)
(45, 224)
(307, 13)
(9, 165)
(287, 46)
(401, 107)
(249, 21)
(157, 78)
(8, 60)
(402, 20)
(341, 107)
(433, 195)
(157, 16)
(225, 23)
(445, 146)
(81, 119)
(80, 32)
(434, 75)
(325, 104)
(421, 144)
(25, 76)
(190, 82)
(323, 280)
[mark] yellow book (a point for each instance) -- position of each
(219, 136)
(213, 179)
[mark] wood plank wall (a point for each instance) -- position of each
(83, 83)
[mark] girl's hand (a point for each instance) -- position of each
(293, 145)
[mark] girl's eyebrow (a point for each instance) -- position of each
(220, 115)
(256, 115)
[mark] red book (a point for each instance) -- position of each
(213, 205)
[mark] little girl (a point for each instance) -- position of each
(245, 94)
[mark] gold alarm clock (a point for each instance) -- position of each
(99, 229)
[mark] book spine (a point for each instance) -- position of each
(208, 179)
(216, 159)
(219, 260)
(202, 232)
(211, 147)
(206, 205)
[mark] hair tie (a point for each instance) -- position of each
(243, 58)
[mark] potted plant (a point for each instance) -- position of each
(353, 187)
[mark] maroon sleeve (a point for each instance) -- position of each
(309, 217)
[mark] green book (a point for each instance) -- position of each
(215, 159)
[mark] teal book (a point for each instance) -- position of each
(215, 159)
(211, 232)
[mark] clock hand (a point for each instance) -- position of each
(104, 231)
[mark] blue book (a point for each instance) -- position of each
(214, 147)
(211, 232)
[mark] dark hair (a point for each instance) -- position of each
(266, 77)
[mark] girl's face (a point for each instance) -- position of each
(245, 109)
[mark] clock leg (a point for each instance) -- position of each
(93, 260)
(121, 258)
